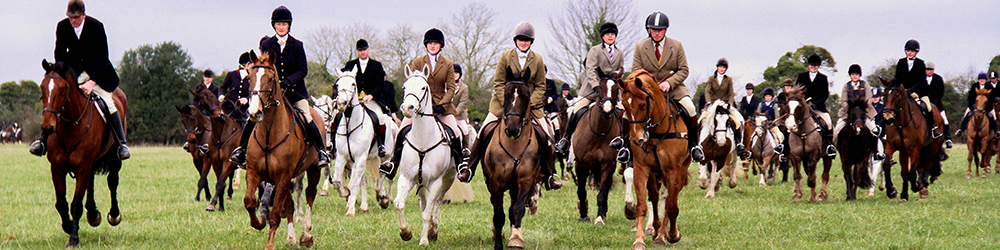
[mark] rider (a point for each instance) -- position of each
(766, 107)
(787, 86)
(292, 69)
(82, 44)
(816, 86)
(971, 101)
(935, 85)
(607, 58)
(441, 82)
(664, 58)
(207, 77)
(370, 81)
(236, 89)
(719, 87)
(518, 59)
(461, 100)
(856, 84)
(911, 72)
(749, 103)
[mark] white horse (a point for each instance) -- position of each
(875, 169)
(426, 161)
(354, 144)
(710, 170)
(325, 105)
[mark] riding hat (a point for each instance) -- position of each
(209, 73)
(749, 86)
(245, 58)
(769, 91)
(609, 27)
(565, 86)
(993, 75)
(722, 62)
(657, 21)
(362, 44)
(434, 35)
(930, 65)
(815, 60)
(854, 69)
(982, 75)
(912, 45)
(877, 92)
(458, 69)
(524, 31)
(281, 14)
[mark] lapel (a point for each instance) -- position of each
(668, 49)
(651, 52)
(515, 62)
(438, 66)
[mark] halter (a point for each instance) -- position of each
(800, 122)
(895, 91)
(420, 100)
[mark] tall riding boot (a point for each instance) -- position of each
(317, 140)
(692, 125)
(115, 121)
(389, 168)
(947, 136)
(993, 126)
(549, 170)
(624, 153)
(929, 117)
(828, 141)
(563, 145)
(782, 149)
(741, 149)
(963, 125)
(380, 140)
(239, 155)
(38, 146)
(456, 149)
(468, 166)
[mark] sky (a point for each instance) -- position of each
(956, 35)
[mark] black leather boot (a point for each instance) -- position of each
(929, 117)
(239, 155)
(468, 165)
(963, 125)
(947, 136)
(115, 121)
(692, 125)
(741, 149)
(380, 140)
(316, 139)
(562, 147)
(389, 168)
(828, 141)
(38, 146)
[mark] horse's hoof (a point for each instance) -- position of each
(984, 175)
(363, 209)
(796, 199)
(114, 221)
(650, 231)
(306, 241)
(384, 202)
(74, 242)
(515, 243)
(324, 193)
(599, 221)
(94, 218)
(702, 183)
(630, 212)
(968, 176)
(291, 240)
(639, 245)
(891, 193)
(350, 212)
(405, 234)
(210, 208)
(424, 242)
(659, 241)
(674, 238)
(583, 219)
(732, 183)
(432, 235)
(923, 193)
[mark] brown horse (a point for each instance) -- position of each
(979, 138)
(905, 131)
(762, 142)
(80, 145)
(277, 153)
(805, 145)
(597, 126)
(562, 119)
(720, 149)
(224, 139)
(856, 144)
(198, 128)
(659, 142)
(512, 161)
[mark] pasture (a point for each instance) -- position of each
(157, 200)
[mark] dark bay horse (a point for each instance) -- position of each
(856, 144)
(79, 145)
(561, 118)
(225, 136)
(905, 131)
(198, 128)
(805, 145)
(277, 153)
(594, 158)
(659, 142)
(979, 138)
(512, 161)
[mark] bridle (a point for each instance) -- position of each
(901, 102)
(510, 111)
(421, 98)
(273, 101)
(87, 112)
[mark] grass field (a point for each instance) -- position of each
(157, 199)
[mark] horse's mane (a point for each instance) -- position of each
(797, 93)
(265, 58)
(646, 80)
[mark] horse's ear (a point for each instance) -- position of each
(46, 65)
(407, 72)
(185, 109)
(510, 75)
(600, 73)
(253, 56)
(193, 93)
(354, 71)
(427, 70)
(525, 74)
(884, 82)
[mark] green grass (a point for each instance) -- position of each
(158, 185)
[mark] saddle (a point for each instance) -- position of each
(371, 115)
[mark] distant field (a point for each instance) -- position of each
(157, 199)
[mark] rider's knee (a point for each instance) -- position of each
(688, 105)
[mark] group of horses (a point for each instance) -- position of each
(280, 162)
(983, 143)
(11, 134)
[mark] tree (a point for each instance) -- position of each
(319, 81)
(995, 63)
(579, 23)
(792, 63)
(401, 48)
(21, 103)
(885, 71)
(476, 43)
(156, 78)
(333, 47)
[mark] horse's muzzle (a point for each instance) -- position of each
(256, 116)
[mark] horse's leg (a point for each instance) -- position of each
(971, 158)
(84, 178)
(526, 187)
(677, 177)
(59, 182)
(848, 177)
(281, 196)
(797, 178)
(733, 179)
(220, 187)
(827, 165)
(438, 198)
(581, 192)
(231, 178)
(387, 186)
(297, 187)
(890, 191)
(496, 199)
(326, 184)
(313, 174)
(432, 199)
(602, 196)
(810, 169)
(250, 199)
(659, 228)
(363, 189)
(904, 172)
(403, 186)
(703, 173)
(357, 173)
(236, 178)
(713, 181)
(291, 212)
(339, 176)
(114, 214)
(629, 177)
(93, 215)
(641, 191)
(206, 168)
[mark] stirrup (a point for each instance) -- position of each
(466, 152)
(617, 142)
(779, 149)
(123, 152)
(562, 146)
(464, 171)
(948, 144)
(831, 150)
(238, 156)
(934, 133)
(624, 155)
(879, 156)
(386, 167)
(381, 151)
(697, 154)
(37, 148)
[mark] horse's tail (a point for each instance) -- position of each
(862, 177)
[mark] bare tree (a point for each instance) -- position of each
(332, 47)
(321, 44)
(474, 42)
(402, 46)
(579, 24)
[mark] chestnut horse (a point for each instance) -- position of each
(905, 131)
(80, 145)
(198, 129)
(594, 158)
(659, 144)
(762, 140)
(856, 144)
(805, 145)
(512, 161)
(225, 138)
(979, 138)
(277, 153)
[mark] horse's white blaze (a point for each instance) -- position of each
(790, 120)
(721, 130)
(514, 101)
(51, 86)
(255, 98)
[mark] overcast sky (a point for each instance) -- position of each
(955, 35)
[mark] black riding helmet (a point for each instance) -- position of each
(609, 27)
(912, 45)
(854, 69)
(657, 20)
(434, 35)
(281, 14)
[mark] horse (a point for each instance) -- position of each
(277, 153)
(979, 138)
(762, 142)
(805, 145)
(856, 144)
(81, 145)
(511, 162)
(356, 145)
(559, 121)
(905, 132)
(325, 105)
(426, 158)
(720, 149)
(658, 141)
(225, 137)
(198, 129)
(597, 126)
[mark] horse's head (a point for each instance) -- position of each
(265, 89)
(416, 93)
(206, 99)
(639, 92)
(894, 98)
(982, 96)
(760, 122)
(325, 106)
(858, 110)
(347, 88)
(721, 121)
(516, 97)
(608, 91)
(190, 121)
(57, 86)
(799, 110)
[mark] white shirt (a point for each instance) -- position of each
(929, 78)
(611, 50)
(434, 61)
(719, 78)
(281, 42)
(363, 64)
(522, 57)
(244, 73)
(855, 85)
(812, 76)
(909, 64)
(79, 30)
(994, 84)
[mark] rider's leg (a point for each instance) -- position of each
(840, 126)
(929, 116)
(468, 166)
(389, 168)
(738, 124)
(964, 123)
(38, 146)
(456, 141)
(581, 107)
(313, 134)
(947, 130)
(691, 120)
(114, 120)
(547, 159)
(624, 154)
(827, 132)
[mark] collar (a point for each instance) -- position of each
(282, 39)
(433, 58)
(364, 61)
(79, 30)
(523, 54)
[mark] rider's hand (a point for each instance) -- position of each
(366, 98)
(88, 86)
(665, 86)
(438, 109)
(222, 98)
(243, 101)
